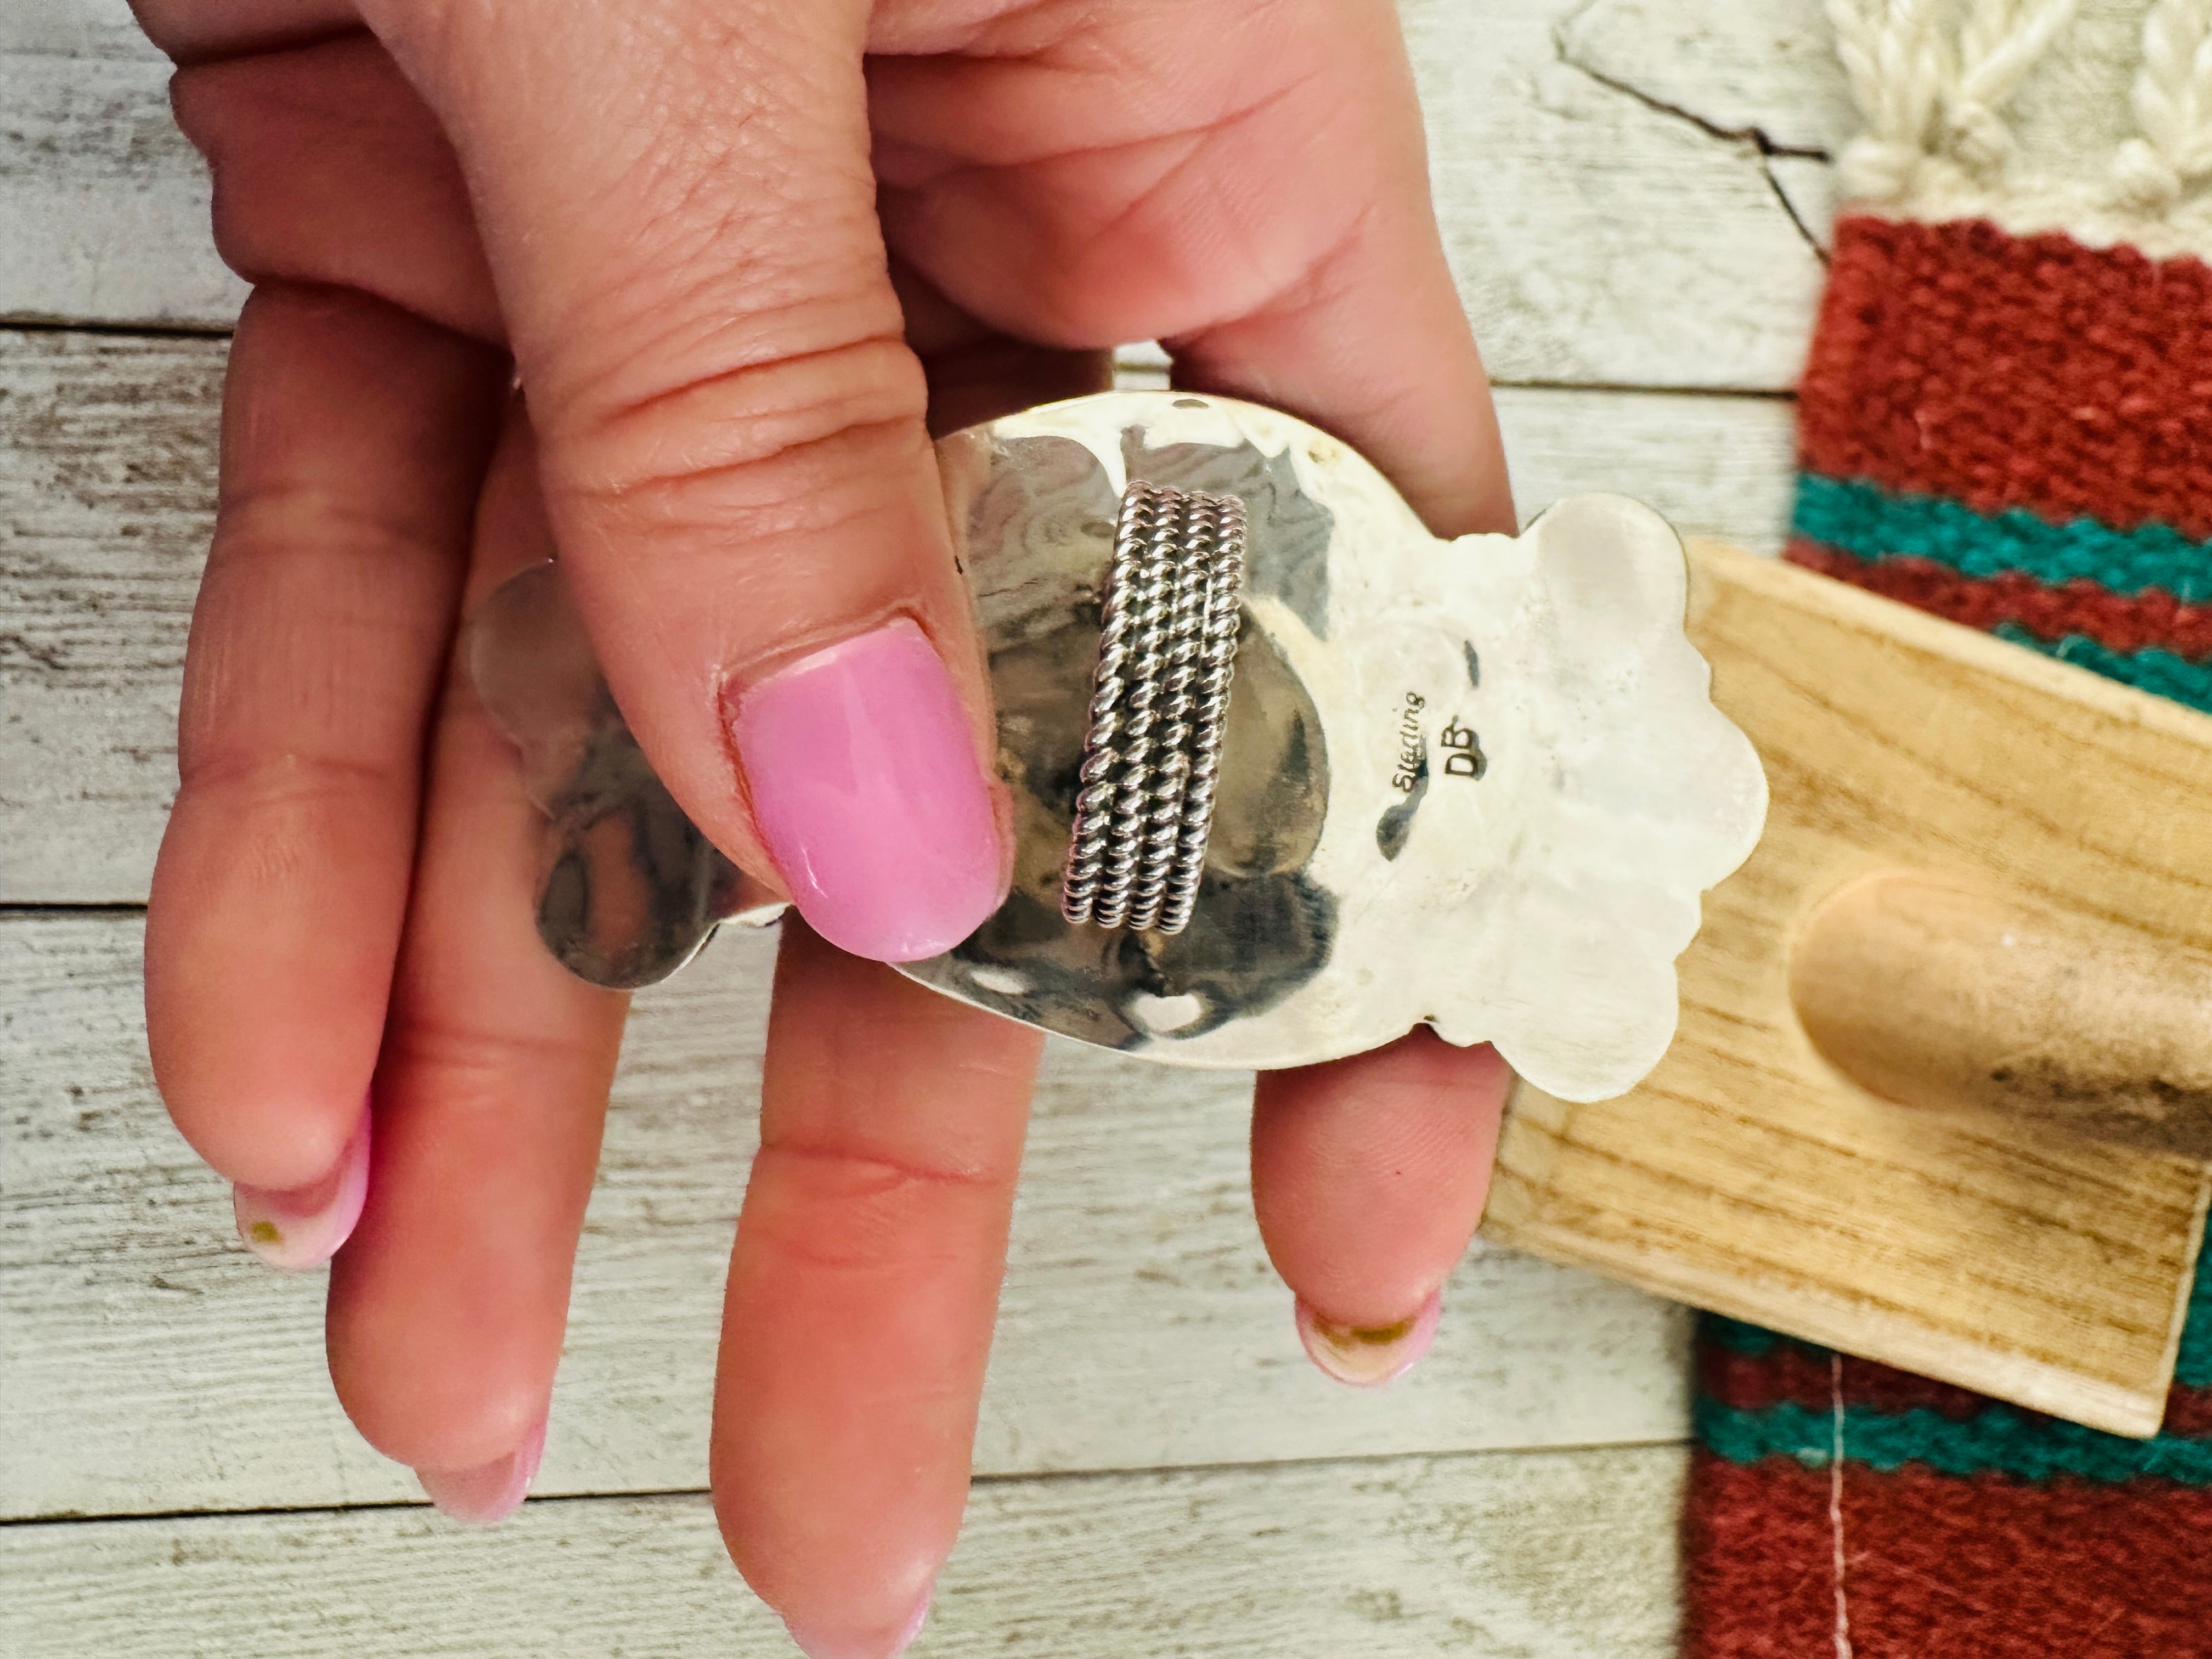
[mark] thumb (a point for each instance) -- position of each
(679, 212)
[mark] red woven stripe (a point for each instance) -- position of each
(2124, 622)
(2003, 1570)
(1787, 1374)
(1936, 1567)
(2189, 1412)
(1756, 1553)
(2003, 371)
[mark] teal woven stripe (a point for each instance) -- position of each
(2152, 670)
(2192, 1367)
(1736, 1336)
(1999, 1440)
(1870, 521)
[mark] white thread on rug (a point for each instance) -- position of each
(1836, 1504)
(2172, 99)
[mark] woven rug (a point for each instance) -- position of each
(2006, 419)
(1838, 1507)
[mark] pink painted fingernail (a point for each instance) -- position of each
(302, 1227)
(485, 1497)
(867, 788)
(841, 1645)
(1367, 1357)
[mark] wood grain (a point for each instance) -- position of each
(1747, 1175)
(1545, 1555)
(108, 458)
(105, 205)
(1765, 73)
(147, 1364)
(1602, 233)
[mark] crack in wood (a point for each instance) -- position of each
(1750, 137)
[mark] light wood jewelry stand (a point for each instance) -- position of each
(1985, 887)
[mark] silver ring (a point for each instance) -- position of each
(1159, 698)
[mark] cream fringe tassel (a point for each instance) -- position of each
(1933, 88)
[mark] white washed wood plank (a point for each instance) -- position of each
(1543, 1555)
(1600, 235)
(1598, 238)
(1603, 234)
(1766, 70)
(107, 455)
(1721, 466)
(146, 1364)
(107, 460)
(103, 205)
(76, 28)
(1765, 75)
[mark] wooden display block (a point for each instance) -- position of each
(1999, 1233)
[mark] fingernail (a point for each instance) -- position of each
(487, 1495)
(1367, 1357)
(302, 1227)
(867, 788)
(824, 1644)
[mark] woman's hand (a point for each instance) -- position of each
(741, 258)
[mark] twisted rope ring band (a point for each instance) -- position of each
(1160, 700)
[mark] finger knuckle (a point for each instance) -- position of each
(476, 1064)
(787, 442)
(855, 1211)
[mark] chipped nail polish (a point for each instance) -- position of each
(302, 1227)
(486, 1496)
(1367, 1357)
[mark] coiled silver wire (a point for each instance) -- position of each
(1151, 761)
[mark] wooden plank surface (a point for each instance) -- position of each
(1606, 235)
(1762, 71)
(1746, 1173)
(147, 1364)
(107, 456)
(1543, 1555)
(1606, 228)
(105, 205)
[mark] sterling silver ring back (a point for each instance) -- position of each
(1167, 650)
